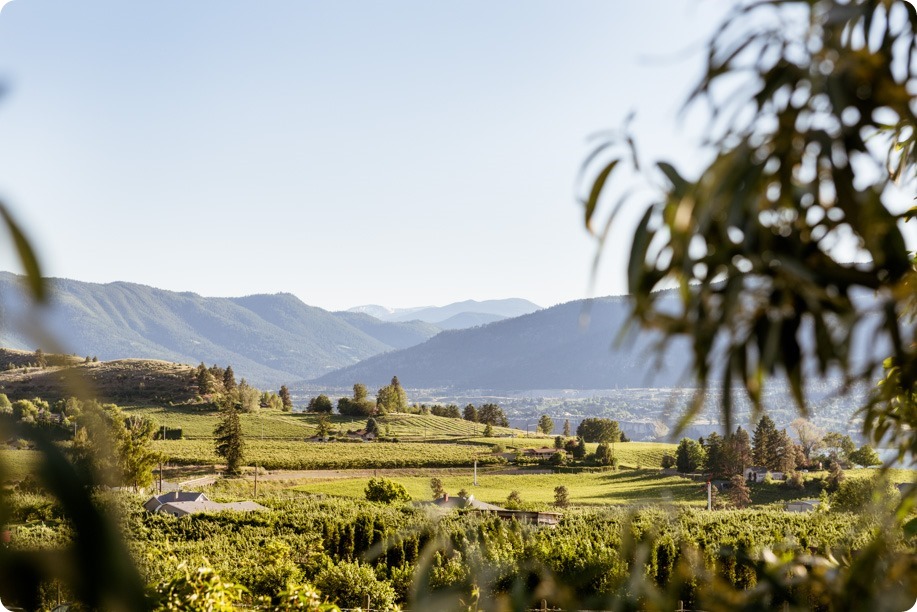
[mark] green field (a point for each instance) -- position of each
(620, 487)
(200, 423)
(299, 455)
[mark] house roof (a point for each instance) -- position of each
(464, 502)
(155, 503)
(182, 508)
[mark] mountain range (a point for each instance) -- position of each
(459, 315)
(271, 339)
(569, 346)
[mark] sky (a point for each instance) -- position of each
(396, 153)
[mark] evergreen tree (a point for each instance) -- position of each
(470, 413)
(230, 445)
(558, 442)
(285, 398)
(739, 494)
(359, 392)
(715, 455)
(493, 415)
(579, 451)
(784, 453)
(689, 457)
(566, 428)
(229, 379)
(765, 444)
(546, 424)
(488, 430)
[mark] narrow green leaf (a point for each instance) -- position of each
(26, 256)
(597, 187)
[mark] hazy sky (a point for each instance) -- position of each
(400, 153)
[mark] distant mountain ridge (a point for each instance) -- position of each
(458, 312)
(547, 349)
(270, 339)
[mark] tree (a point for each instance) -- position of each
(392, 398)
(470, 413)
(359, 392)
(599, 430)
(206, 384)
(249, 398)
(492, 414)
(785, 453)
(229, 442)
(604, 455)
(865, 456)
(559, 442)
(736, 453)
(835, 476)
(689, 456)
(864, 495)
(436, 485)
(765, 443)
(136, 456)
(838, 446)
(545, 424)
(739, 494)
(715, 455)
(514, 500)
(579, 451)
(229, 379)
(372, 427)
(566, 428)
(488, 431)
(359, 405)
(561, 497)
(322, 425)
(809, 435)
(668, 461)
(285, 398)
(385, 491)
(320, 403)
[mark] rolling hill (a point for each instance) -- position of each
(269, 339)
(457, 315)
(547, 349)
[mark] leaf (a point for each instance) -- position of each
(678, 183)
(597, 187)
(638, 250)
(26, 256)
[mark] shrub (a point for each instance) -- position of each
(559, 458)
(385, 491)
(668, 461)
(349, 584)
(514, 500)
(795, 480)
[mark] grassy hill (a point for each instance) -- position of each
(119, 381)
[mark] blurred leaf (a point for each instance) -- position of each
(26, 256)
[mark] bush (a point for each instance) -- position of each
(385, 491)
(794, 480)
(498, 448)
(349, 584)
(559, 458)
(668, 461)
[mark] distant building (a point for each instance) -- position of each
(361, 434)
(802, 505)
(470, 503)
(757, 473)
(182, 503)
(542, 453)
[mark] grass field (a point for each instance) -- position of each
(620, 487)
(298, 455)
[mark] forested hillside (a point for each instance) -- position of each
(571, 346)
(272, 338)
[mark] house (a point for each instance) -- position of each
(470, 503)
(542, 453)
(361, 434)
(802, 505)
(182, 503)
(757, 473)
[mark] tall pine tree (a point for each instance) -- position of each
(230, 445)
(765, 444)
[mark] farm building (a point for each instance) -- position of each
(447, 502)
(182, 503)
(802, 505)
(757, 473)
(542, 453)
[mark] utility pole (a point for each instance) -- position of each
(160, 477)
(709, 495)
(475, 471)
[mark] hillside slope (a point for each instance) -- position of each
(548, 349)
(269, 339)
